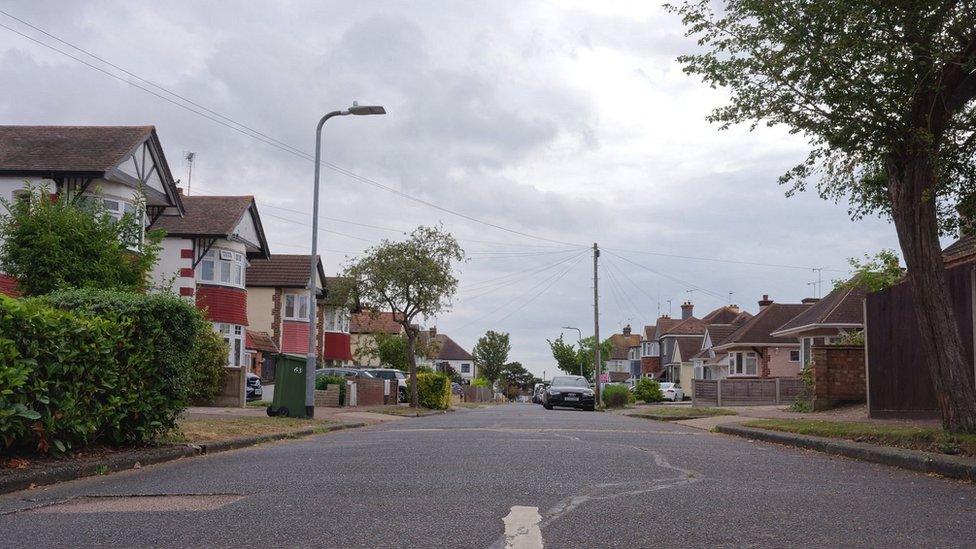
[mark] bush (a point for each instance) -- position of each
(209, 366)
(480, 382)
(155, 348)
(615, 396)
(648, 390)
(322, 383)
(433, 391)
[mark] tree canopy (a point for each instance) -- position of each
(491, 354)
(569, 357)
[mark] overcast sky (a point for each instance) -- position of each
(567, 120)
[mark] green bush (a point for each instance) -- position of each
(155, 352)
(616, 396)
(209, 366)
(322, 383)
(648, 390)
(433, 390)
(480, 382)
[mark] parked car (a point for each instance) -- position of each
(537, 391)
(392, 374)
(343, 372)
(456, 389)
(672, 392)
(573, 391)
(253, 389)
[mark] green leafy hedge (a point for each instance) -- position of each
(648, 390)
(616, 396)
(433, 390)
(323, 382)
(82, 366)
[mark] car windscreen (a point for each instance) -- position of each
(569, 382)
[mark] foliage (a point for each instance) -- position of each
(491, 353)
(411, 278)
(673, 413)
(323, 382)
(569, 357)
(86, 366)
(648, 390)
(480, 382)
(209, 366)
(455, 376)
(433, 390)
(50, 244)
(855, 337)
(391, 350)
(804, 400)
(515, 375)
(875, 272)
(616, 396)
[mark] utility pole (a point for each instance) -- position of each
(596, 323)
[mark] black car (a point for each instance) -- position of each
(571, 391)
(254, 390)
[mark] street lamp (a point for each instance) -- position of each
(356, 109)
(578, 340)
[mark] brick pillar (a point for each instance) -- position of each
(276, 316)
(764, 363)
(320, 331)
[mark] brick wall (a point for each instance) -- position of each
(838, 375)
(223, 304)
(8, 286)
(276, 316)
(369, 392)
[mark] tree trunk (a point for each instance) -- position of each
(911, 184)
(412, 360)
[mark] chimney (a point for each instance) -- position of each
(686, 309)
(734, 308)
(765, 302)
(433, 332)
(809, 300)
(627, 330)
(179, 191)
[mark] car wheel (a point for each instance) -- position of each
(590, 408)
(547, 406)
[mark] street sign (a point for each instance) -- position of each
(605, 378)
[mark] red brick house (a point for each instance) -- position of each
(206, 256)
(277, 303)
(118, 165)
(753, 350)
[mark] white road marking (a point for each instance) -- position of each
(522, 528)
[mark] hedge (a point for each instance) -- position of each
(648, 390)
(433, 390)
(85, 366)
(322, 383)
(616, 396)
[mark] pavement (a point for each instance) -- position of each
(503, 476)
(344, 414)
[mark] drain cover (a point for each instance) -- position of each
(140, 504)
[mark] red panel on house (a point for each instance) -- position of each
(8, 285)
(294, 337)
(186, 253)
(337, 346)
(223, 304)
(650, 364)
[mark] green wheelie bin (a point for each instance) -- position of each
(289, 390)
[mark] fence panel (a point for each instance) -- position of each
(745, 392)
(705, 392)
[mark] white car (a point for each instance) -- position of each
(672, 392)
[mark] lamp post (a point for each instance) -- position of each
(579, 340)
(313, 263)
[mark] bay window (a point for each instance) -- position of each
(336, 319)
(743, 363)
(296, 307)
(233, 335)
(223, 267)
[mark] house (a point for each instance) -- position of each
(619, 362)
(961, 251)
(650, 356)
(364, 326)
(261, 354)
(669, 333)
(753, 350)
(446, 354)
(123, 166)
(205, 257)
(277, 303)
(828, 319)
(709, 363)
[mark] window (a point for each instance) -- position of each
(465, 368)
(806, 350)
(233, 335)
(222, 267)
(743, 364)
(795, 355)
(337, 319)
(296, 307)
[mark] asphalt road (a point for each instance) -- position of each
(565, 478)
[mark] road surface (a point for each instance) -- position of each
(514, 475)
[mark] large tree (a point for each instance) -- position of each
(413, 278)
(391, 350)
(515, 375)
(884, 92)
(570, 357)
(491, 354)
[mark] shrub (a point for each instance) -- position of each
(154, 356)
(433, 390)
(480, 382)
(322, 383)
(648, 390)
(616, 396)
(209, 366)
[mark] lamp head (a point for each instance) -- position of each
(363, 110)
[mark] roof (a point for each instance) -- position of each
(689, 347)
(73, 149)
(259, 341)
(369, 322)
(664, 323)
(621, 344)
(743, 317)
(281, 271)
(842, 307)
(215, 216)
(717, 333)
(960, 251)
(758, 330)
(650, 332)
(723, 315)
(450, 350)
(688, 326)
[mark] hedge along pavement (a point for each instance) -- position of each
(433, 390)
(85, 366)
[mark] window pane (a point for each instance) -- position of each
(224, 271)
(111, 205)
(238, 277)
(303, 306)
(207, 270)
(237, 352)
(290, 306)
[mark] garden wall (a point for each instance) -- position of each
(838, 375)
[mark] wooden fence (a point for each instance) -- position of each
(477, 394)
(745, 392)
(898, 381)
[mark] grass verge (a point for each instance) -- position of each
(217, 429)
(927, 439)
(259, 404)
(674, 413)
